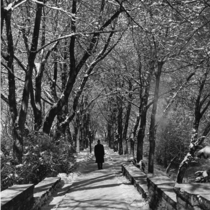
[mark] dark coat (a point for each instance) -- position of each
(99, 153)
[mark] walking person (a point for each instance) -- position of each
(99, 154)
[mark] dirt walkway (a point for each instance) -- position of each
(102, 189)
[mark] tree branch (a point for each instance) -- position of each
(180, 88)
(205, 108)
(4, 98)
(14, 4)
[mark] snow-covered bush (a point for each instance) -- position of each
(41, 158)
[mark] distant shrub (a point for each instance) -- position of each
(173, 139)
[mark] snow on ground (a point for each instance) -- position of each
(90, 188)
(67, 180)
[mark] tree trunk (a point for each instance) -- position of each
(17, 148)
(82, 140)
(143, 112)
(141, 134)
(55, 76)
(90, 140)
(120, 126)
(75, 136)
(3, 15)
(132, 147)
(153, 127)
(127, 117)
(136, 126)
(61, 130)
(109, 134)
(133, 138)
(38, 84)
(111, 120)
(78, 141)
(76, 129)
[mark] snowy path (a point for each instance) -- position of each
(101, 189)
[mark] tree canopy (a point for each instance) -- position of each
(135, 73)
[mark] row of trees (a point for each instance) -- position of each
(48, 41)
(166, 62)
(131, 70)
